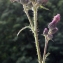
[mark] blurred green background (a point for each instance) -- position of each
(22, 49)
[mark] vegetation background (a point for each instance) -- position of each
(21, 49)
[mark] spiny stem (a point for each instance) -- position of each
(36, 36)
(45, 48)
(26, 11)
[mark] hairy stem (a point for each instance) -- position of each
(26, 11)
(36, 35)
(45, 48)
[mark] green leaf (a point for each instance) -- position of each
(43, 7)
(47, 55)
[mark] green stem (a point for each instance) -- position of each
(45, 48)
(36, 36)
(26, 11)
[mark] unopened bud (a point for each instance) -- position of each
(51, 25)
(56, 18)
(54, 22)
(45, 32)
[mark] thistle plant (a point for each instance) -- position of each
(47, 33)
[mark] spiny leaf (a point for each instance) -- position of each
(47, 55)
(43, 7)
(23, 29)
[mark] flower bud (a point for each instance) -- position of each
(56, 18)
(45, 32)
(54, 22)
(52, 25)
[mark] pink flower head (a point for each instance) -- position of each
(56, 18)
(54, 22)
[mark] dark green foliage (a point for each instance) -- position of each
(21, 49)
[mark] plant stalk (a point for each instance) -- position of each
(26, 12)
(36, 36)
(45, 49)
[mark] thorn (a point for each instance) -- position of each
(53, 40)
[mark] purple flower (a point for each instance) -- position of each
(48, 33)
(54, 22)
(45, 32)
(56, 19)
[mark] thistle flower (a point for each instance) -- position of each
(54, 22)
(56, 18)
(52, 27)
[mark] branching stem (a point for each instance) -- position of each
(30, 21)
